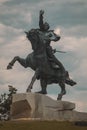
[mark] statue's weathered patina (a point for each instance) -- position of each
(48, 69)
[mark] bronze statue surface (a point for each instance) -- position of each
(48, 69)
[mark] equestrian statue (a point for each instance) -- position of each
(48, 69)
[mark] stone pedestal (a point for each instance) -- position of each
(37, 106)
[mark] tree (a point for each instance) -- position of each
(6, 101)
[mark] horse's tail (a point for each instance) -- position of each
(69, 81)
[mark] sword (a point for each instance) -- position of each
(61, 51)
(54, 50)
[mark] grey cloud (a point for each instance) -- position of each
(66, 13)
(18, 2)
(75, 31)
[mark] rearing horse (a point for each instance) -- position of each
(39, 62)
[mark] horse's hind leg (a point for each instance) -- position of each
(20, 60)
(43, 87)
(31, 83)
(63, 91)
(36, 74)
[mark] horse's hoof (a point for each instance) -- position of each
(9, 67)
(28, 90)
(59, 97)
(42, 92)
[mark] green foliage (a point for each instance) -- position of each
(6, 101)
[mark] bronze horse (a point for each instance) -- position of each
(39, 62)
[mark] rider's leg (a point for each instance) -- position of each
(54, 59)
(59, 63)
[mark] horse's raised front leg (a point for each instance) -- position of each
(20, 60)
(63, 91)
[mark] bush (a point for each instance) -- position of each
(5, 103)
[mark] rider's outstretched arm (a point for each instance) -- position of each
(41, 23)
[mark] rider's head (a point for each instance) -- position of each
(46, 26)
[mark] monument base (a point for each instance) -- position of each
(34, 106)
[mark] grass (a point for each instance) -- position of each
(39, 125)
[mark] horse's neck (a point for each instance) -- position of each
(40, 50)
(38, 45)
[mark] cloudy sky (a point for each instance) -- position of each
(69, 19)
